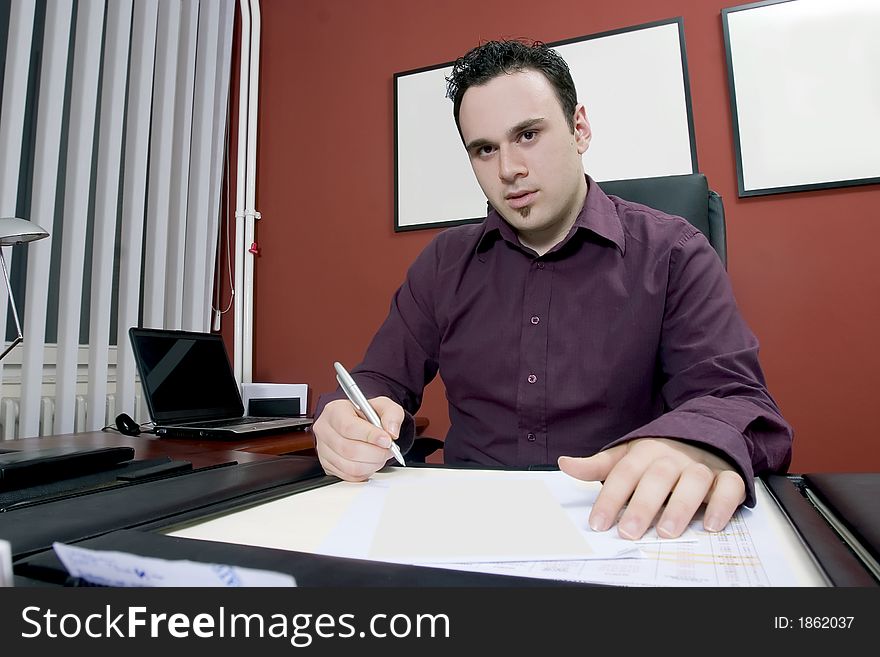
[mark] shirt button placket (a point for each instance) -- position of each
(531, 393)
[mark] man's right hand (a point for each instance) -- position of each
(348, 446)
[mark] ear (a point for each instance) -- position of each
(582, 131)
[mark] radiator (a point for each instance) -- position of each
(9, 411)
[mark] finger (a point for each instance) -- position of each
(330, 462)
(616, 490)
(390, 413)
(340, 418)
(347, 469)
(355, 428)
(369, 447)
(693, 485)
(728, 493)
(651, 490)
(347, 446)
(333, 464)
(350, 460)
(592, 468)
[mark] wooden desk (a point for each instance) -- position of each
(302, 443)
(200, 452)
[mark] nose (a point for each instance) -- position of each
(510, 164)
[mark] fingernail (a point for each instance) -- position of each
(713, 524)
(629, 530)
(394, 428)
(384, 442)
(666, 529)
(598, 522)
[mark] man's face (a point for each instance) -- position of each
(526, 158)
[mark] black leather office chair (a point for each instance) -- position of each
(687, 196)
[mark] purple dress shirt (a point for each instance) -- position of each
(627, 328)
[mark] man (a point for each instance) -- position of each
(570, 327)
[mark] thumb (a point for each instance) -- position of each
(390, 413)
(592, 468)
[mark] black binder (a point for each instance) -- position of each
(838, 559)
(21, 469)
(849, 502)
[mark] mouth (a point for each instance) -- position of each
(518, 200)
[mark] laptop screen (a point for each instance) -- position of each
(186, 376)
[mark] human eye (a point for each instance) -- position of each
(528, 135)
(484, 151)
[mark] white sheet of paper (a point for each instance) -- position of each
(484, 516)
(121, 569)
(458, 520)
(421, 515)
(755, 549)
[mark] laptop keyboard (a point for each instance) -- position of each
(237, 422)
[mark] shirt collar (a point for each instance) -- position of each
(598, 216)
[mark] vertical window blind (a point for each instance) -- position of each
(113, 128)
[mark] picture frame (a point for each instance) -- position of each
(805, 114)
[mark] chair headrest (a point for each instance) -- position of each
(685, 196)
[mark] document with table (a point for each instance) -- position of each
(531, 524)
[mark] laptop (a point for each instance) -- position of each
(190, 388)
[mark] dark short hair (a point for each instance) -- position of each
(493, 58)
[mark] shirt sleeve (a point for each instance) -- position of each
(714, 390)
(403, 355)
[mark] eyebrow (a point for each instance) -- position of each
(515, 130)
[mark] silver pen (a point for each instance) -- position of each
(356, 397)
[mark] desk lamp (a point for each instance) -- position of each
(16, 231)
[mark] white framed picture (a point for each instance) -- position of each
(804, 81)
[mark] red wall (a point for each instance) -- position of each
(802, 264)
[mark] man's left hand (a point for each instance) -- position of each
(642, 473)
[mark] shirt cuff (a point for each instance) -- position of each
(703, 431)
(407, 433)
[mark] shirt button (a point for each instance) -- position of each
(532, 378)
(540, 265)
(531, 437)
(535, 319)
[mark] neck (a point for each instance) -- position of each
(541, 241)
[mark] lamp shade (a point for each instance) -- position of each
(18, 231)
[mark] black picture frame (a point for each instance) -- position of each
(803, 119)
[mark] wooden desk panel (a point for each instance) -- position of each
(200, 451)
(300, 442)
